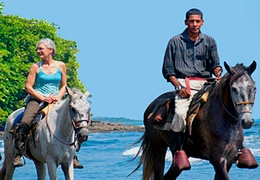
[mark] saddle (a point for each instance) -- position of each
(41, 114)
(165, 107)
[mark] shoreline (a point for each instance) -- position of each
(97, 126)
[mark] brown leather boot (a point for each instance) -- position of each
(245, 159)
(17, 161)
(20, 137)
(76, 163)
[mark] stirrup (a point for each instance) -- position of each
(245, 159)
(181, 161)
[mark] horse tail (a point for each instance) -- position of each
(3, 170)
(146, 158)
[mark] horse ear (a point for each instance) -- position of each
(229, 69)
(69, 91)
(87, 93)
(251, 68)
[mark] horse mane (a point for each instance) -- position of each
(77, 93)
(228, 78)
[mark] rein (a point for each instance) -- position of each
(68, 144)
(229, 113)
(237, 104)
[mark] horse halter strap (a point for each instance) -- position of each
(78, 127)
(246, 102)
(237, 104)
(74, 123)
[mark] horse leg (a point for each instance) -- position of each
(41, 170)
(221, 169)
(68, 170)
(52, 169)
(153, 156)
(173, 143)
(9, 155)
(7, 170)
(172, 174)
(159, 163)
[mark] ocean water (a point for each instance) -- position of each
(107, 156)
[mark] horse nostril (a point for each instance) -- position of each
(82, 138)
(247, 124)
(243, 122)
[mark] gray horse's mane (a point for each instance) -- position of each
(76, 93)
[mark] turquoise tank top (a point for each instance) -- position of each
(47, 84)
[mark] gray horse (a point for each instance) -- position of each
(53, 141)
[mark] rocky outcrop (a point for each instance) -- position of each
(101, 126)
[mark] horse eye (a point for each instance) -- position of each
(234, 90)
(73, 110)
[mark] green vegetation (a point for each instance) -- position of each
(18, 39)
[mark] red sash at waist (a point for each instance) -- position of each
(187, 81)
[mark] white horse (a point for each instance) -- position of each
(54, 139)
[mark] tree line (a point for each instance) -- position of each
(18, 39)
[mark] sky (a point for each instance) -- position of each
(122, 43)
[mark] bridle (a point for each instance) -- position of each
(76, 126)
(236, 105)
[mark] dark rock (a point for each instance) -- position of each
(99, 126)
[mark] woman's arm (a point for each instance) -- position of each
(30, 82)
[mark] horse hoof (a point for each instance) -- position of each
(181, 161)
(245, 159)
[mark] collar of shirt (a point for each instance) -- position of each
(184, 35)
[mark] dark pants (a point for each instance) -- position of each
(31, 111)
(21, 133)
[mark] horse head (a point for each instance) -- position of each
(80, 112)
(242, 90)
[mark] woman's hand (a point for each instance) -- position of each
(51, 99)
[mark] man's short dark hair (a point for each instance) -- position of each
(193, 11)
